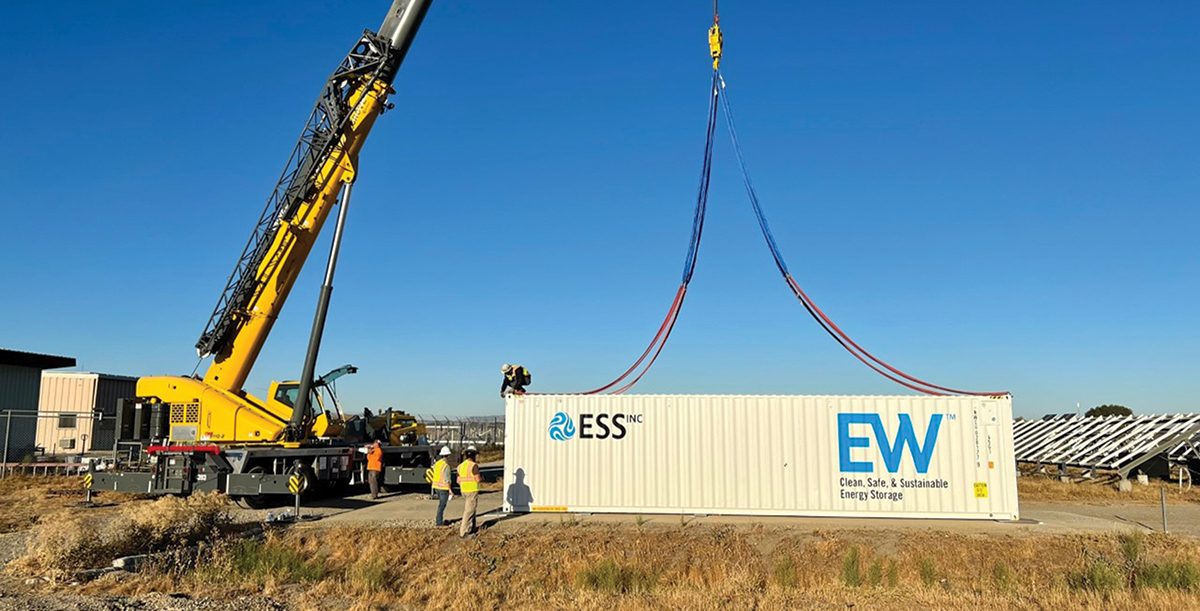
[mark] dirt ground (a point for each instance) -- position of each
(23, 499)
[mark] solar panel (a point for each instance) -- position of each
(1111, 443)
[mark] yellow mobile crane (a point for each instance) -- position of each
(209, 433)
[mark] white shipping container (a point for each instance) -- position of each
(867, 456)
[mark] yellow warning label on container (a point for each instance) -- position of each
(547, 508)
(87, 481)
(981, 490)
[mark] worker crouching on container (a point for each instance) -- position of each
(374, 468)
(468, 482)
(516, 378)
(441, 485)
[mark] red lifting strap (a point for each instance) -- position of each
(664, 330)
(689, 266)
(809, 303)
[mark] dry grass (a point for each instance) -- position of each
(66, 540)
(24, 499)
(1044, 488)
(618, 567)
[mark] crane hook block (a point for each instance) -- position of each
(715, 41)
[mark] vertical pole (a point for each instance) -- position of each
(297, 505)
(7, 435)
(90, 475)
(1162, 495)
(318, 328)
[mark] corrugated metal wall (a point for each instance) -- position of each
(18, 391)
(946, 457)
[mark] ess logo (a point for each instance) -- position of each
(593, 426)
(562, 427)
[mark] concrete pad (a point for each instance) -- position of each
(413, 509)
(417, 509)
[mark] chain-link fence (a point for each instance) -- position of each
(483, 432)
(32, 439)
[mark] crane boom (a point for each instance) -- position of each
(324, 159)
(210, 434)
(322, 165)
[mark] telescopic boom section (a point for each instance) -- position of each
(325, 158)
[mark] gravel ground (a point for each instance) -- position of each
(75, 602)
(12, 545)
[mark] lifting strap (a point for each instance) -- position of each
(822, 319)
(718, 96)
(689, 264)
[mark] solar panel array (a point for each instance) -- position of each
(1114, 443)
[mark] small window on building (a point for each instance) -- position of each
(66, 421)
(66, 444)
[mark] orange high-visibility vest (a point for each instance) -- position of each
(467, 480)
(441, 475)
(375, 459)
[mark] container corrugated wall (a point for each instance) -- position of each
(947, 457)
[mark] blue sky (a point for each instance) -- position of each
(987, 196)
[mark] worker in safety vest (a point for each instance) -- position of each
(374, 468)
(441, 484)
(468, 481)
(516, 378)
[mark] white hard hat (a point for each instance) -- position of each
(471, 449)
(445, 451)
(505, 368)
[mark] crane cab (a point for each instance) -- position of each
(329, 421)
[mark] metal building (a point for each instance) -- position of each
(20, 383)
(70, 395)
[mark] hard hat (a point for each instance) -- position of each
(505, 368)
(471, 449)
(445, 451)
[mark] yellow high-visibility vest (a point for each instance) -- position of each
(441, 475)
(467, 480)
